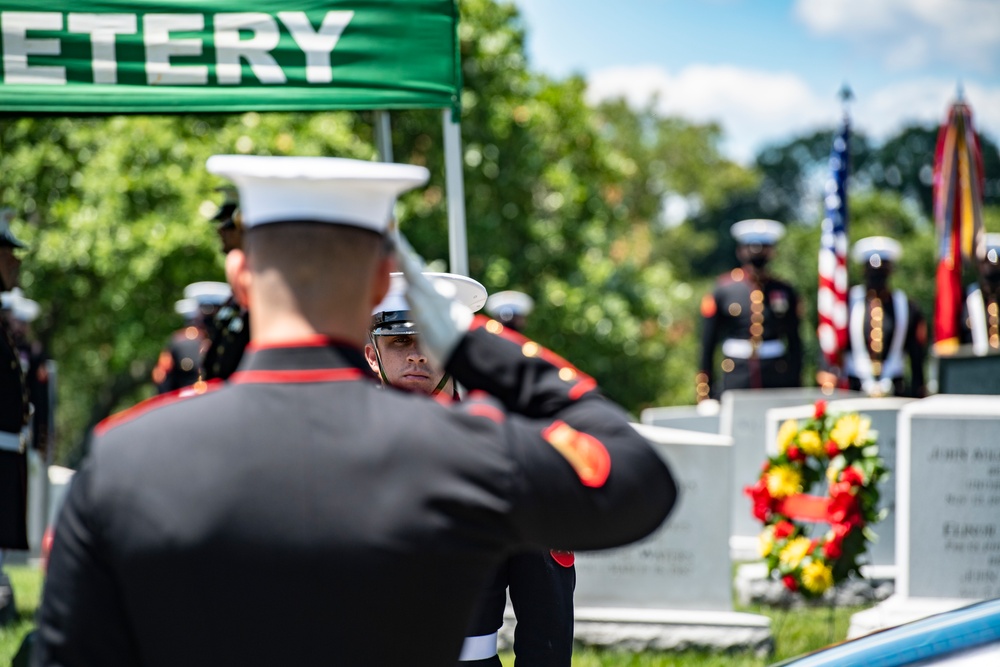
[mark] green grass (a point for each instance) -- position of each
(795, 632)
(27, 584)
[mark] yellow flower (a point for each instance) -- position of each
(817, 576)
(811, 443)
(783, 480)
(795, 551)
(765, 542)
(786, 434)
(850, 430)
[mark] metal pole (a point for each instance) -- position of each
(458, 252)
(383, 136)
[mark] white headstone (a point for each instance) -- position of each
(947, 509)
(673, 589)
(948, 498)
(743, 418)
(685, 563)
(685, 417)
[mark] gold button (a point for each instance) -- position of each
(877, 334)
(736, 274)
(530, 349)
(728, 365)
(992, 309)
(735, 309)
(494, 327)
(187, 363)
(876, 346)
(756, 330)
(877, 312)
(756, 296)
(567, 374)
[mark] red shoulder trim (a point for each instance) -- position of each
(154, 402)
(297, 376)
(582, 383)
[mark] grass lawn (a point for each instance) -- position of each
(27, 584)
(796, 631)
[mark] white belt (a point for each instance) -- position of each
(14, 442)
(738, 348)
(480, 647)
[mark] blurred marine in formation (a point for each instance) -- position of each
(381, 514)
(510, 308)
(20, 312)
(754, 317)
(982, 303)
(885, 329)
(14, 423)
(180, 363)
(232, 322)
(541, 583)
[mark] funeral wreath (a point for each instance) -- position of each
(814, 542)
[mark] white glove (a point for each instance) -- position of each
(442, 320)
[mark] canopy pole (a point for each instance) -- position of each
(457, 248)
(383, 135)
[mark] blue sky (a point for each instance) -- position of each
(770, 69)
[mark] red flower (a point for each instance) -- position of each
(820, 409)
(790, 583)
(833, 548)
(843, 504)
(762, 500)
(794, 453)
(783, 529)
(832, 448)
(852, 476)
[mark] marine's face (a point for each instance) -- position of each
(757, 254)
(404, 363)
(10, 268)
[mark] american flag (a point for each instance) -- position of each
(831, 301)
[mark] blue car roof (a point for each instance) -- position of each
(935, 636)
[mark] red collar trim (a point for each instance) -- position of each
(298, 376)
(150, 404)
(317, 340)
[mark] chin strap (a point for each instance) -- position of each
(441, 384)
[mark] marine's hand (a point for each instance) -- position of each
(442, 320)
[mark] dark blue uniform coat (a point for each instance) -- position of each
(303, 516)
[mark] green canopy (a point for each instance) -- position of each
(141, 56)
(69, 57)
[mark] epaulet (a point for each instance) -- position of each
(197, 389)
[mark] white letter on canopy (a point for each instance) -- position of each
(17, 47)
(317, 45)
(102, 29)
(229, 48)
(156, 30)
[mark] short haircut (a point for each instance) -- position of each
(313, 260)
